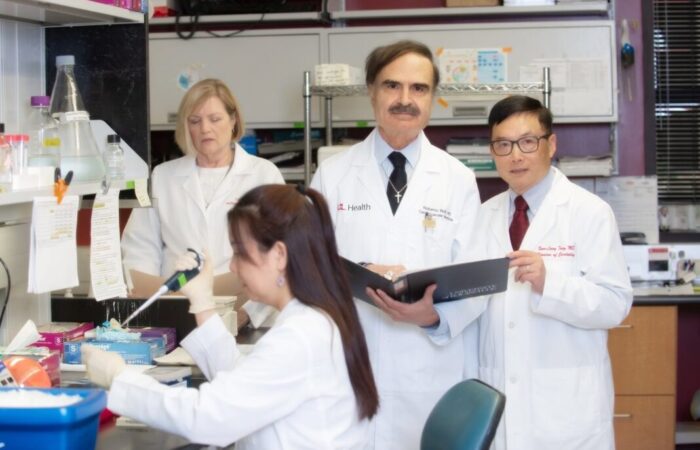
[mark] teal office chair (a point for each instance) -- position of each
(465, 418)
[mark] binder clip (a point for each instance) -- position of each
(60, 185)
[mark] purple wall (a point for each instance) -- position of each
(631, 130)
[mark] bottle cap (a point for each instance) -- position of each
(65, 60)
(17, 137)
(113, 139)
(39, 100)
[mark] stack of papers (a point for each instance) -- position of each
(474, 153)
(586, 165)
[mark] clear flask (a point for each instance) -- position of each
(114, 158)
(44, 141)
(79, 151)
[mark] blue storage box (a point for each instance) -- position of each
(72, 427)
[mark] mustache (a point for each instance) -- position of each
(404, 109)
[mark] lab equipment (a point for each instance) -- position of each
(19, 144)
(663, 269)
(78, 147)
(44, 143)
(64, 427)
(5, 161)
(174, 283)
(114, 158)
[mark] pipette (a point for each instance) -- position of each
(174, 283)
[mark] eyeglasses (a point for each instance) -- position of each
(526, 144)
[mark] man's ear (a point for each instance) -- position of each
(552, 140)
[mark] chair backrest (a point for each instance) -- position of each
(465, 418)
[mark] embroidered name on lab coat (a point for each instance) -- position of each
(557, 251)
(351, 207)
(436, 213)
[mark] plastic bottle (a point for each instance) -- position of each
(19, 144)
(114, 158)
(78, 148)
(5, 161)
(44, 141)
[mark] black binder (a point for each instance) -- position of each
(454, 281)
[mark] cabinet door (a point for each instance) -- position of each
(643, 351)
(645, 422)
(264, 75)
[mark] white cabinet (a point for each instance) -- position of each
(263, 69)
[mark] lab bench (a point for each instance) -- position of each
(113, 437)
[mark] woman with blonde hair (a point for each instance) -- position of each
(192, 194)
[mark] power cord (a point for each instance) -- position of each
(7, 292)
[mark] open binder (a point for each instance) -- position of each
(454, 281)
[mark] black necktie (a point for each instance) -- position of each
(520, 222)
(396, 187)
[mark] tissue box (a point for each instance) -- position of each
(54, 334)
(133, 352)
(337, 75)
(167, 333)
(69, 427)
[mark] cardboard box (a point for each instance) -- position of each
(68, 427)
(54, 334)
(133, 352)
(337, 75)
(167, 333)
(461, 3)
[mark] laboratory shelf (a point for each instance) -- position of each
(442, 90)
(568, 9)
(240, 18)
(67, 12)
(27, 195)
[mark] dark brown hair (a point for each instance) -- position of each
(518, 104)
(300, 219)
(383, 56)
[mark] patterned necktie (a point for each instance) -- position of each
(396, 187)
(518, 227)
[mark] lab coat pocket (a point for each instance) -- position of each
(567, 401)
(437, 244)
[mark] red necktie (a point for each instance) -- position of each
(519, 225)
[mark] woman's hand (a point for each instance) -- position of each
(200, 289)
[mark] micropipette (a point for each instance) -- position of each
(174, 283)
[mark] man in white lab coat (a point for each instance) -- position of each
(416, 213)
(543, 342)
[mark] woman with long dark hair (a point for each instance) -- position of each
(307, 383)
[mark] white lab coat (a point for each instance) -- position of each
(411, 371)
(548, 353)
(291, 392)
(155, 237)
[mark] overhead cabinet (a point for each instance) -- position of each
(263, 69)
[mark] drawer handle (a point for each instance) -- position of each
(626, 327)
(622, 416)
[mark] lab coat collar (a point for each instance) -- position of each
(370, 176)
(542, 223)
(242, 166)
